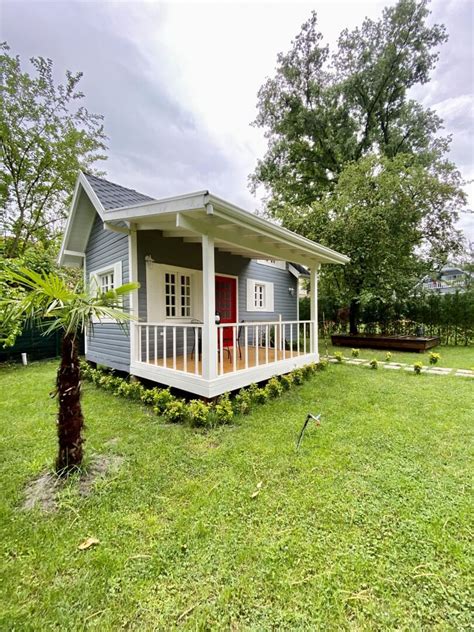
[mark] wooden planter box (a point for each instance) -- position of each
(378, 341)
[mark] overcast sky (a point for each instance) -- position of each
(177, 82)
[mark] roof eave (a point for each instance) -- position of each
(81, 181)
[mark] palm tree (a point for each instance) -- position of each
(48, 301)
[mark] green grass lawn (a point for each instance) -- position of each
(456, 357)
(368, 527)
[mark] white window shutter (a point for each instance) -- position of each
(269, 299)
(251, 295)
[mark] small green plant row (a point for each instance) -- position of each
(417, 367)
(196, 412)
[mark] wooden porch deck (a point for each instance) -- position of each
(263, 357)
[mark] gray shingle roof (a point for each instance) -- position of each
(301, 269)
(113, 195)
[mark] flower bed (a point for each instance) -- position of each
(197, 412)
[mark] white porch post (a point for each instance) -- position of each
(133, 296)
(314, 308)
(209, 329)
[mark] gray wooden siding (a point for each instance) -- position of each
(185, 255)
(107, 343)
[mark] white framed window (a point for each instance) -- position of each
(107, 278)
(185, 295)
(259, 296)
(177, 295)
(107, 281)
(170, 294)
(173, 293)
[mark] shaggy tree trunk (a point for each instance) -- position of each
(354, 316)
(70, 419)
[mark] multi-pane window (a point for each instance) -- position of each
(106, 281)
(185, 283)
(177, 295)
(259, 295)
(170, 294)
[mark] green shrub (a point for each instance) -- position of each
(298, 377)
(417, 367)
(175, 411)
(322, 365)
(242, 402)
(257, 395)
(148, 395)
(339, 356)
(274, 387)
(223, 409)
(161, 398)
(286, 381)
(355, 353)
(374, 364)
(198, 413)
(388, 356)
(308, 370)
(434, 357)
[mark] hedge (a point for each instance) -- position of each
(449, 316)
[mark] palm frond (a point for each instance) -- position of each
(47, 297)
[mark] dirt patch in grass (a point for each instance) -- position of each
(43, 492)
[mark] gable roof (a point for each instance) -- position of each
(113, 195)
(189, 216)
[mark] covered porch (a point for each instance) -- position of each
(204, 356)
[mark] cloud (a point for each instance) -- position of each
(156, 142)
(177, 82)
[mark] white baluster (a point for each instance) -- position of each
(185, 349)
(234, 348)
(266, 343)
(196, 350)
(246, 347)
(164, 348)
(221, 350)
(174, 348)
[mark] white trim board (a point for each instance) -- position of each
(228, 382)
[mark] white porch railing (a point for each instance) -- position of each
(240, 346)
(169, 346)
(251, 344)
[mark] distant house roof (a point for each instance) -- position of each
(113, 195)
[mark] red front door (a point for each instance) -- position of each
(226, 305)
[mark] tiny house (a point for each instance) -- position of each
(217, 307)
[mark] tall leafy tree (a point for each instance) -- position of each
(321, 111)
(341, 130)
(46, 300)
(46, 136)
(395, 219)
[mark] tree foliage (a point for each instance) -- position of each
(395, 219)
(46, 136)
(353, 162)
(321, 111)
